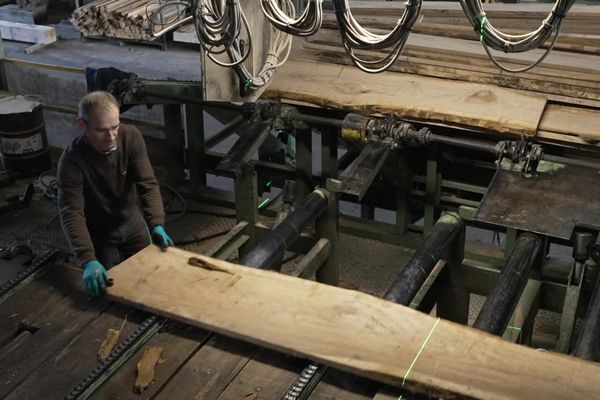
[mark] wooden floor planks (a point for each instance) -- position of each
(59, 374)
(178, 345)
(210, 370)
(58, 327)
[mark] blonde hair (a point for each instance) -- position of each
(95, 101)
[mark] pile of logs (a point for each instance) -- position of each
(122, 19)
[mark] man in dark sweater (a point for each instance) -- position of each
(101, 177)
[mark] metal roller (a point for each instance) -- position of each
(269, 251)
(412, 276)
(503, 299)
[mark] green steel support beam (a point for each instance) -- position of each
(520, 327)
(432, 190)
(511, 239)
(327, 227)
(329, 152)
(225, 247)
(403, 192)
(165, 92)
(425, 298)
(453, 302)
(3, 80)
(313, 260)
(175, 143)
(246, 202)
(569, 314)
(303, 161)
(194, 129)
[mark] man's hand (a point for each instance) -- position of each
(160, 237)
(94, 278)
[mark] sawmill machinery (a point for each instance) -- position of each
(438, 181)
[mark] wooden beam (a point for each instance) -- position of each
(409, 96)
(346, 329)
(27, 32)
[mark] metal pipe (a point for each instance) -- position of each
(225, 131)
(313, 119)
(588, 342)
(269, 251)
(503, 299)
(472, 144)
(411, 278)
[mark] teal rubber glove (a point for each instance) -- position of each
(94, 278)
(160, 237)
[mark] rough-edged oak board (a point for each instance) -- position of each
(425, 98)
(346, 329)
(577, 121)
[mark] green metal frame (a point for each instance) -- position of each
(468, 268)
(3, 79)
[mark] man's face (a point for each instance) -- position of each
(102, 129)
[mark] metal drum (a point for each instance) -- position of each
(23, 141)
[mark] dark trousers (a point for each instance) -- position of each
(117, 246)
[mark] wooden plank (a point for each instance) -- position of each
(178, 345)
(210, 370)
(63, 370)
(58, 327)
(27, 32)
(474, 50)
(577, 121)
(267, 376)
(266, 308)
(434, 66)
(423, 98)
(574, 42)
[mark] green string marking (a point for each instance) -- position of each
(418, 354)
(518, 274)
(516, 328)
(269, 183)
(432, 257)
(481, 26)
(422, 269)
(263, 203)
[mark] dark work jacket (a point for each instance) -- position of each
(99, 193)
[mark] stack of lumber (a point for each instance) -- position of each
(123, 19)
(444, 46)
(447, 18)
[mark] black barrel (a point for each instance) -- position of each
(23, 141)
